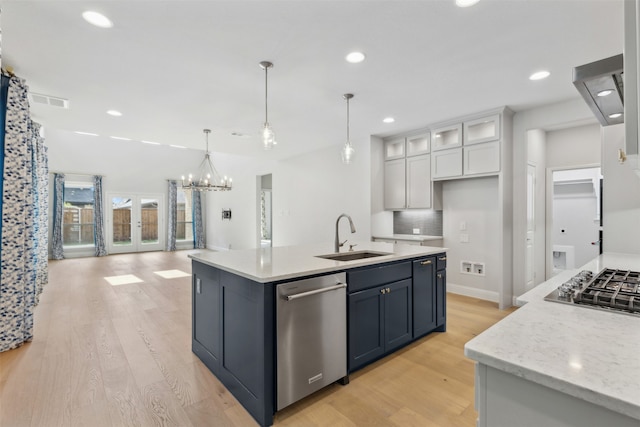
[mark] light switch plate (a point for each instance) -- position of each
(464, 238)
(416, 231)
(463, 225)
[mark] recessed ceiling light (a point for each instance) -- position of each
(151, 142)
(355, 57)
(177, 146)
(121, 138)
(466, 3)
(615, 115)
(605, 92)
(539, 75)
(114, 113)
(97, 19)
(388, 120)
(86, 133)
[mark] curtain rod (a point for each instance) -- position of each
(8, 71)
(77, 173)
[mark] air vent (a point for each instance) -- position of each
(602, 77)
(38, 98)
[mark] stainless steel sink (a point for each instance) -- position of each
(350, 256)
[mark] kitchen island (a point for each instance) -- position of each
(394, 295)
(555, 364)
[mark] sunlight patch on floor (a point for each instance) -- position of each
(172, 274)
(125, 279)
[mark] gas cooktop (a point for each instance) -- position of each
(610, 289)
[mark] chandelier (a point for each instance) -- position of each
(268, 136)
(208, 178)
(348, 152)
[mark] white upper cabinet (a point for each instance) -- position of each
(480, 159)
(446, 163)
(394, 184)
(447, 137)
(419, 182)
(482, 130)
(418, 144)
(394, 149)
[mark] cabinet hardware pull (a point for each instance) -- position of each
(444, 258)
(388, 290)
(316, 291)
(439, 276)
(382, 291)
(427, 262)
(198, 286)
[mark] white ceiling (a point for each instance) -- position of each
(176, 67)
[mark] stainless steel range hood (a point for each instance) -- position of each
(595, 80)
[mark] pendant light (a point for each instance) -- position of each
(268, 136)
(207, 178)
(348, 152)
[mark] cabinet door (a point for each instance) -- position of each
(398, 327)
(446, 137)
(419, 182)
(482, 130)
(394, 149)
(394, 184)
(441, 298)
(424, 296)
(366, 335)
(418, 144)
(206, 313)
(446, 163)
(482, 158)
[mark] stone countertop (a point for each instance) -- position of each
(266, 265)
(586, 353)
(411, 237)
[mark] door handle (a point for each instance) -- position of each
(315, 292)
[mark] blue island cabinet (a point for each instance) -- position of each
(233, 335)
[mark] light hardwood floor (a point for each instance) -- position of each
(107, 355)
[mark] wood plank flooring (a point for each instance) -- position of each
(107, 355)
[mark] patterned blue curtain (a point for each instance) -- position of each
(23, 208)
(198, 225)
(98, 216)
(173, 215)
(57, 251)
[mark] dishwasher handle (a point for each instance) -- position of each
(315, 291)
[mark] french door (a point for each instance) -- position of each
(135, 222)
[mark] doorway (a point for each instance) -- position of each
(573, 217)
(135, 222)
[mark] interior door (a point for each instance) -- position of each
(135, 222)
(531, 227)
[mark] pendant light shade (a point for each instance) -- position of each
(268, 136)
(206, 177)
(348, 152)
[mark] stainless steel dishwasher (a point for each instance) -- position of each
(311, 336)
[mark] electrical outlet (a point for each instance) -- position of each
(416, 231)
(464, 238)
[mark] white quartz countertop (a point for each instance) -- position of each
(289, 262)
(411, 237)
(590, 354)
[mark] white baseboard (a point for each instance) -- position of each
(473, 292)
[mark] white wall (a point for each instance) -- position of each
(621, 196)
(574, 146)
(310, 192)
(381, 220)
(474, 202)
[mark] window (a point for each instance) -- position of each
(184, 227)
(77, 218)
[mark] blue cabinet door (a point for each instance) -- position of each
(206, 316)
(366, 334)
(424, 296)
(398, 328)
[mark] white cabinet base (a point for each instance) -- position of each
(503, 399)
